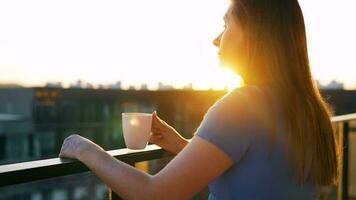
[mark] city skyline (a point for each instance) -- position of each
(103, 42)
(118, 85)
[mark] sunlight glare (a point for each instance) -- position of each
(219, 78)
(228, 79)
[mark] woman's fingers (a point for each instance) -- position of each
(155, 128)
(155, 118)
(154, 138)
(156, 121)
(156, 133)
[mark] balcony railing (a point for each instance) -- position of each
(344, 121)
(11, 174)
(24, 172)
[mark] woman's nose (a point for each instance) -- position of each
(216, 41)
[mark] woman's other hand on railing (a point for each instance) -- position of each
(74, 146)
(166, 136)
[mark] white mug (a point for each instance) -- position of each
(137, 129)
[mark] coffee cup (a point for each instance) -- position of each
(136, 129)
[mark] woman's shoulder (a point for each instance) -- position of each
(235, 104)
(243, 96)
(244, 104)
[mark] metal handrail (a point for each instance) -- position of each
(343, 118)
(49, 168)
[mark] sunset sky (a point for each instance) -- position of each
(150, 41)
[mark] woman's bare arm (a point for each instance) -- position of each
(188, 173)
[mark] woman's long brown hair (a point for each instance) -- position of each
(276, 53)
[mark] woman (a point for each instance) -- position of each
(271, 139)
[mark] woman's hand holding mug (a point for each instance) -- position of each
(166, 136)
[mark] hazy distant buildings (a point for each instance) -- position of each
(116, 85)
(54, 85)
(16, 124)
(335, 85)
(162, 86)
(78, 84)
(144, 86)
(132, 87)
(10, 85)
(82, 84)
(332, 85)
(101, 86)
(89, 86)
(188, 86)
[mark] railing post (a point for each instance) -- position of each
(345, 161)
(112, 195)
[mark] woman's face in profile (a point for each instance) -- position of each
(230, 42)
